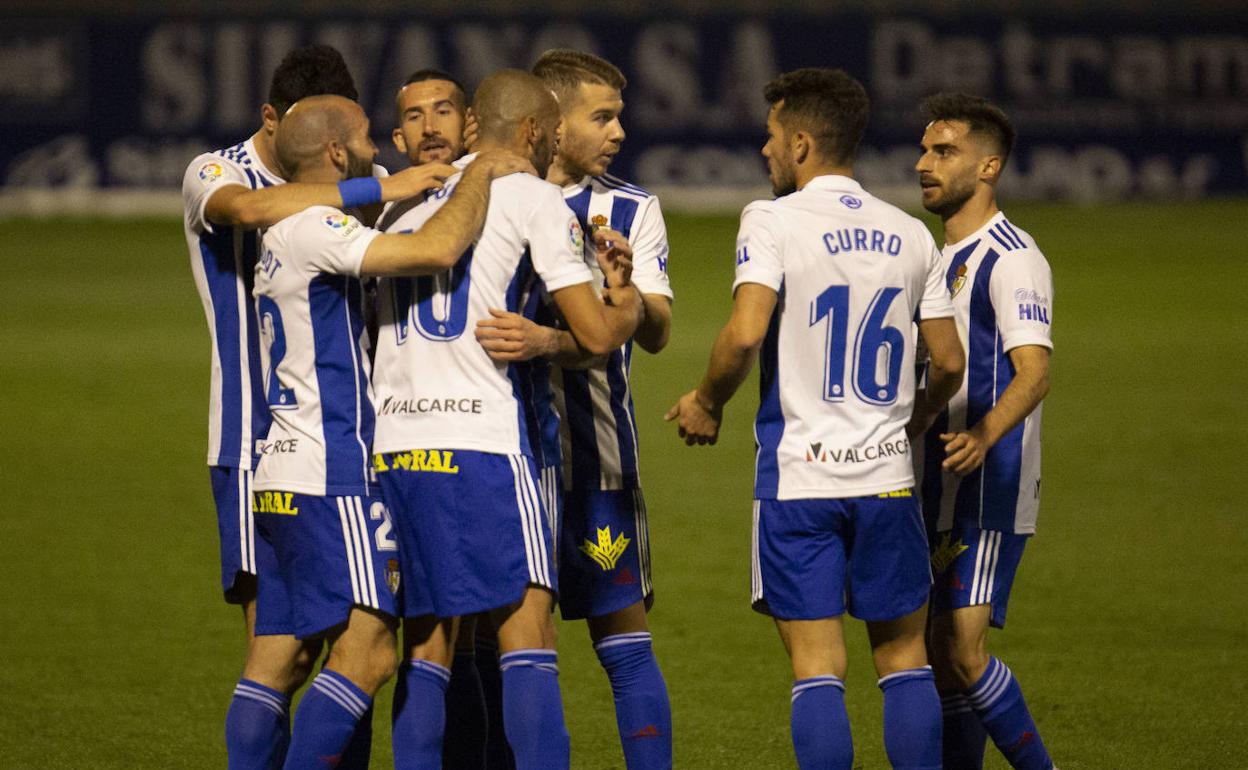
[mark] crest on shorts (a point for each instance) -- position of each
(946, 552)
(210, 172)
(606, 552)
(958, 282)
(392, 575)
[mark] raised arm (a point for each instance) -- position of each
(238, 206)
(440, 243)
(700, 411)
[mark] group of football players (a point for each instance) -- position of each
(422, 435)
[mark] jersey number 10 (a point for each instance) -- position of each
(447, 292)
(876, 346)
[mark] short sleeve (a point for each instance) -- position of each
(206, 174)
(649, 242)
(330, 241)
(1022, 295)
(935, 302)
(758, 248)
(556, 240)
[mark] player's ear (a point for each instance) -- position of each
(801, 146)
(338, 155)
(269, 117)
(400, 143)
(990, 168)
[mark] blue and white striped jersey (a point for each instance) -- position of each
(223, 262)
(315, 353)
(598, 430)
(1002, 291)
(434, 386)
(836, 369)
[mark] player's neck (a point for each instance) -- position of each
(974, 214)
(806, 173)
(562, 175)
(263, 143)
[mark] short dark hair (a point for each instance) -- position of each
(828, 103)
(982, 116)
(313, 70)
(563, 70)
(431, 73)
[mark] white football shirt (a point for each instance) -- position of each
(434, 386)
(315, 351)
(837, 367)
(1002, 291)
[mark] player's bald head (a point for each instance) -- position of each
(310, 126)
(507, 98)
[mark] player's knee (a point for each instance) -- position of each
(383, 663)
(965, 663)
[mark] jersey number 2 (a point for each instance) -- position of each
(876, 347)
(271, 327)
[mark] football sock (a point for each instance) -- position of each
(257, 727)
(325, 721)
(463, 742)
(964, 735)
(533, 710)
(498, 755)
(998, 700)
(360, 749)
(912, 719)
(820, 724)
(418, 720)
(642, 711)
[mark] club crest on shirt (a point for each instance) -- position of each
(210, 172)
(598, 220)
(851, 202)
(577, 236)
(606, 552)
(958, 282)
(341, 224)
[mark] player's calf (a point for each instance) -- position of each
(912, 710)
(643, 711)
(420, 695)
(532, 704)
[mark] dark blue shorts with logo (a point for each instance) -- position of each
(604, 552)
(975, 566)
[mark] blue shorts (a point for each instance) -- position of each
(604, 552)
(333, 554)
(472, 527)
(814, 558)
(241, 553)
(975, 566)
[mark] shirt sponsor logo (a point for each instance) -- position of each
(817, 452)
(1030, 311)
(851, 202)
(606, 552)
(946, 552)
(427, 460)
(342, 224)
(394, 405)
(282, 446)
(210, 172)
(274, 502)
(1030, 295)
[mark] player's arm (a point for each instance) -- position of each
(965, 450)
(599, 326)
(945, 366)
(510, 337)
(238, 206)
(439, 244)
(656, 323)
(700, 411)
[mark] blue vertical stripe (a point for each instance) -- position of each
(578, 405)
(769, 425)
(260, 416)
(523, 281)
(623, 211)
(216, 250)
(346, 413)
(991, 491)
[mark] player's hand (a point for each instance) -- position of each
(964, 451)
(496, 163)
(696, 421)
(413, 181)
(510, 337)
(472, 130)
(615, 256)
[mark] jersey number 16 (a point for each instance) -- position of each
(876, 346)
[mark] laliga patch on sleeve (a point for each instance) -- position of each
(210, 172)
(342, 224)
(577, 236)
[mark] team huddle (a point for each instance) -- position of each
(422, 435)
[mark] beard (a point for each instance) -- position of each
(949, 200)
(783, 182)
(358, 166)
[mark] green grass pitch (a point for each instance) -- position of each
(1129, 622)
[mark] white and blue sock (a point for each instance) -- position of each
(820, 724)
(964, 735)
(325, 721)
(533, 710)
(912, 719)
(419, 716)
(643, 713)
(257, 727)
(998, 700)
(467, 726)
